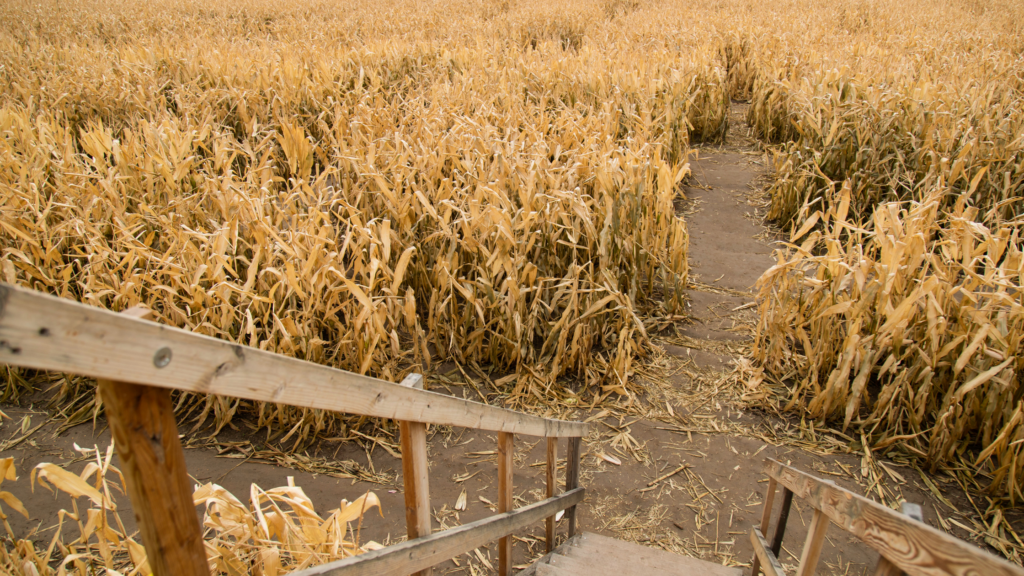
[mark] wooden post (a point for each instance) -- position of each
(141, 420)
(766, 513)
(505, 451)
(780, 523)
(415, 474)
(572, 478)
(552, 469)
(812, 546)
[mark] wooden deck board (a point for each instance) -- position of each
(590, 554)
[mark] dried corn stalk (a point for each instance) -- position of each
(278, 532)
(368, 201)
(906, 328)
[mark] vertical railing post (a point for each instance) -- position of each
(572, 478)
(780, 523)
(505, 451)
(766, 513)
(812, 546)
(415, 473)
(141, 420)
(551, 474)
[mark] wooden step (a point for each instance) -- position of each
(590, 554)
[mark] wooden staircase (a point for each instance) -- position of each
(588, 554)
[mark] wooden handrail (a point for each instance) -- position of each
(421, 553)
(49, 333)
(910, 545)
(137, 362)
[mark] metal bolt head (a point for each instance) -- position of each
(162, 357)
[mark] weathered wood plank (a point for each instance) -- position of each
(505, 504)
(769, 562)
(552, 468)
(48, 333)
(572, 479)
(914, 547)
(415, 475)
(766, 513)
(604, 555)
(812, 546)
(780, 522)
(141, 420)
(886, 568)
(414, 555)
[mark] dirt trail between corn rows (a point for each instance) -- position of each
(705, 511)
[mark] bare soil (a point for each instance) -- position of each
(705, 511)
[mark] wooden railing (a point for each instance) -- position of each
(905, 545)
(138, 362)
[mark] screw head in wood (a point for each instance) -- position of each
(162, 357)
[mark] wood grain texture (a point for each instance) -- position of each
(597, 555)
(812, 546)
(886, 568)
(572, 478)
(912, 546)
(415, 474)
(141, 420)
(769, 562)
(766, 513)
(505, 452)
(781, 520)
(552, 468)
(414, 555)
(48, 333)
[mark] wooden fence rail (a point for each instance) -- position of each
(902, 542)
(137, 363)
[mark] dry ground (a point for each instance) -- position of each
(705, 510)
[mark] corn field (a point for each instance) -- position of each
(361, 186)
(380, 186)
(897, 133)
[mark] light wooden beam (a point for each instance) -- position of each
(552, 468)
(766, 513)
(415, 474)
(912, 546)
(768, 562)
(49, 333)
(505, 502)
(141, 420)
(572, 478)
(414, 555)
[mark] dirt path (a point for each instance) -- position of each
(705, 511)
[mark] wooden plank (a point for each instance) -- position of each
(531, 570)
(780, 522)
(766, 513)
(141, 420)
(768, 561)
(884, 566)
(812, 546)
(613, 557)
(505, 452)
(414, 555)
(49, 333)
(914, 547)
(415, 474)
(552, 468)
(572, 479)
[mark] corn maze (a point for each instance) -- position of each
(380, 187)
